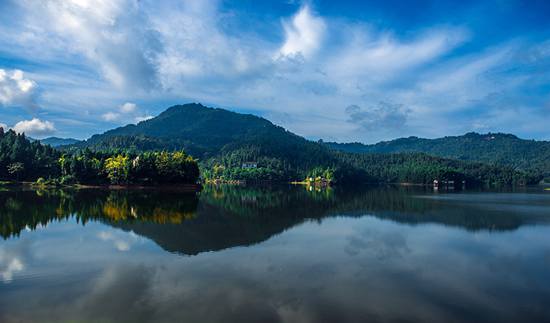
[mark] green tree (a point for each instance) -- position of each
(117, 169)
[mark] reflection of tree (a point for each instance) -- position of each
(255, 201)
(30, 209)
(20, 210)
(230, 216)
(396, 203)
(403, 205)
(149, 207)
(224, 216)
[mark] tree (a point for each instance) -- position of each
(117, 169)
(16, 169)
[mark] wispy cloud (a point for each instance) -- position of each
(304, 33)
(380, 117)
(127, 112)
(108, 34)
(97, 54)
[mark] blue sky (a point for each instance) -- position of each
(337, 70)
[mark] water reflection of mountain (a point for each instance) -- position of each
(236, 216)
(227, 216)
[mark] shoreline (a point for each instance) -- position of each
(198, 187)
(183, 187)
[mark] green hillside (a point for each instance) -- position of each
(202, 131)
(233, 146)
(220, 137)
(494, 148)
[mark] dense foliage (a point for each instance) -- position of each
(275, 158)
(128, 168)
(232, 146)
(422, 168)
(347, 168)
(529, 156)
(23, 160)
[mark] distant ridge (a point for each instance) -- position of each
(57, 142)
(499, 148)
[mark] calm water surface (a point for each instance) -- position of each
(284, 254)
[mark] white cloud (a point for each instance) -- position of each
(128, 107)
(113, 35)
(111, 116)
(190, 51)
(465, 79)
(16, 90)
(234, 69)
(199, 58)
(35, 127)
(127, 112)
(304, 33)
(383, 116)
(4, 126)
(371, 57)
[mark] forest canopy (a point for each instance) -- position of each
(23, 160)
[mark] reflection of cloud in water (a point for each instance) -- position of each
(340, 269)
(8, 267)
(12, 259)
(398, 273)
(118, 294)
(382, 245)
(121, 240)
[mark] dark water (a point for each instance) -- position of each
(284, 254)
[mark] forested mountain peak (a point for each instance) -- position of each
(194, 117)
(202, 131)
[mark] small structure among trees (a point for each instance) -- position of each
(249, 165)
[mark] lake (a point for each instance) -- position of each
(275, 254)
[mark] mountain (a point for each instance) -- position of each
(217, 136)
(56, 141)
(494, 148)
(201, 130)
(234, 146)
